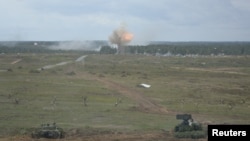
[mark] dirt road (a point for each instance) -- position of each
(16, 61)
(145, 104)
(62, 63)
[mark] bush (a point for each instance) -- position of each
(190, 134)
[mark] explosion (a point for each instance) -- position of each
(120, 37)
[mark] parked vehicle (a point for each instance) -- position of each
(48, 131)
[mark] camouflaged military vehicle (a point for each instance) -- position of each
(187, 124)
(48, 131)
(188, 128)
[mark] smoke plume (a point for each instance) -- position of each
(120, 37)
(78, 45)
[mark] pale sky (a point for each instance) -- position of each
(148, 20)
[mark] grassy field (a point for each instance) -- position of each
(213, 89)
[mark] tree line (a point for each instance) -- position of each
(154, 48)
(34, 47)
(185, 48)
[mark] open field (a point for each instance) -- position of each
(215, 90)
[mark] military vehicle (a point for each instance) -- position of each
(188, 128)
(48, 131)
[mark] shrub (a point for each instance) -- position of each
(190, 134)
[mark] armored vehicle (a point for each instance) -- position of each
(48, 131)
(188, 128)
(187, 124)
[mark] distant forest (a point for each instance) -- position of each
(25, 47)
(153, 48)
(42, 47)
(185, 48)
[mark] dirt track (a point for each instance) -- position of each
(145, 104)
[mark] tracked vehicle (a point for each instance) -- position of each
(50, 131)
(188, 128)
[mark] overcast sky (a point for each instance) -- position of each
(148, 20)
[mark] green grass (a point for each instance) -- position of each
(218, 87)
(181, 85)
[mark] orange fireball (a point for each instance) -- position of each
(127, 37)
(120, 36)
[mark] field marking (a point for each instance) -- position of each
(16, 61)
(79, 59)
(53, 66)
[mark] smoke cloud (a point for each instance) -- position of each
(78, 45)
(120, 36)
